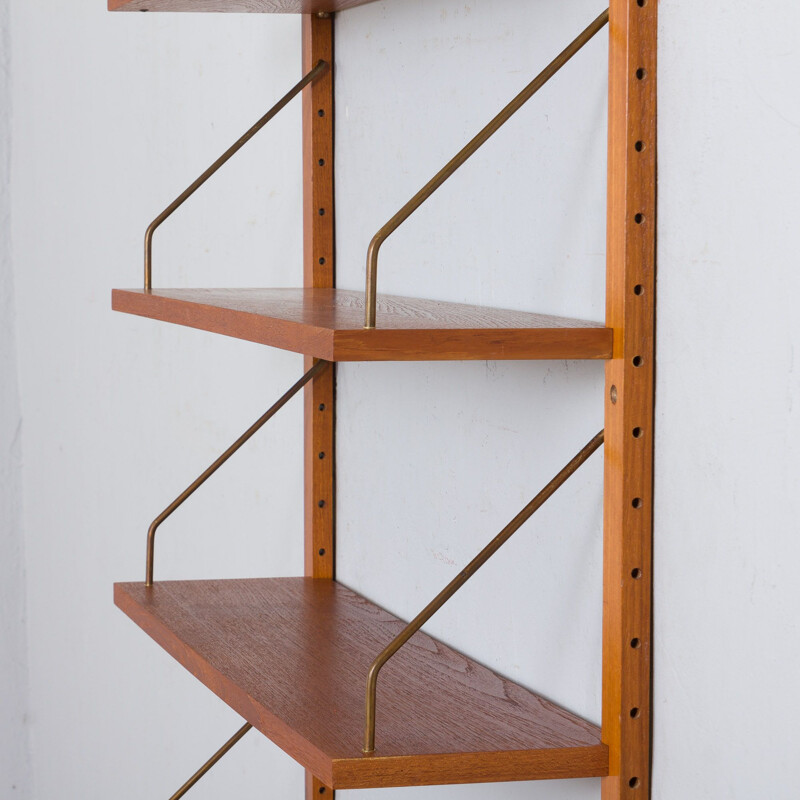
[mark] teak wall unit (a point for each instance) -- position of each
(294, 656)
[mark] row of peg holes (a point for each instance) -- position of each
(321, 503)
(638, 290)
(321, 162)
(636, 574)
(637, 503)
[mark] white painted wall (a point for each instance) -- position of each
(15, 774)
(113, 114)
(727, 643)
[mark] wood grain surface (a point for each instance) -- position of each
(319, 272)
(328, 324)
(238, 6)
(631, 286)
(290, 655)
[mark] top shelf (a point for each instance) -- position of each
(240, 6)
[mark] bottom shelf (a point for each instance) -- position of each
(290, 655)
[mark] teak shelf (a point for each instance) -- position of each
(299, 658)
(329, 324)
(290, 655)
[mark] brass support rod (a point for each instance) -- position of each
(211, 761)
(190, 490)
(318, 70)
(462, 578)
(423, 194)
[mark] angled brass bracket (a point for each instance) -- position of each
(211, 761)
(195, 485)
(462, 577)
(320, 69)
(462, 157)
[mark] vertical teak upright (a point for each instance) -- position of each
(630, 312)
(319, 272)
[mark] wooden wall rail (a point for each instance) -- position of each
(627, 571)
(319, 273)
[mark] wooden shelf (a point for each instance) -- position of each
(258, 6)
(328, 324)
(291, 655)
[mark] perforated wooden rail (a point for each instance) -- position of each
(628, 498)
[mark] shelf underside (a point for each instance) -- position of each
(290, 655)
(258, 6)
(328, 324)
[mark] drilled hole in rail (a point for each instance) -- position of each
(634, 713)
(613, 395)
(321, 504)
(321, 551)
(633, 783)
(641, 3)
(638, 289)
(639, 219)
(636, 574)
(322, 790)
(321, 261)
(638, 361)
(641, 73)
(635, 644)
(322, 212)
(639, 146)
(638, 433)
(321, 112)
(321, 406)
(637, 502)
(321, 456)
(321, 162)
